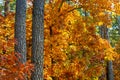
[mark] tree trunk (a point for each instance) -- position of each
(104, 34)
(110, 75)
(38, 39)
(6, 7)
(20, 29)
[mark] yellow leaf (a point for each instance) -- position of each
(95, 78)
(100, 23)
(109, 26)
(101, 14)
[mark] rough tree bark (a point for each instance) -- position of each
(37, 39)
(104, 34)
(20, 29)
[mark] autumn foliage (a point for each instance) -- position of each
(10, 66)
(72, 49)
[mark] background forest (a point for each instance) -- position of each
(81, 40)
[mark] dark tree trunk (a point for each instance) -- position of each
(38, 39)
(104, 34)
(20, 29)
(6, 7)
(110, 75)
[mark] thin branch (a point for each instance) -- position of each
(60, 5)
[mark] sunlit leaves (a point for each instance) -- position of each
(10, 66)
(73, 42)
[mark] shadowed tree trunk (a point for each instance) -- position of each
(104, 34)
(20, 29)
(6, 7)
(38, 39)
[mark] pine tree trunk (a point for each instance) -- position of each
(104, 34)
(38, 39)
(20, 29)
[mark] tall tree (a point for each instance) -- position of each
(38, 39)
(104, 34)
(20, 29)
